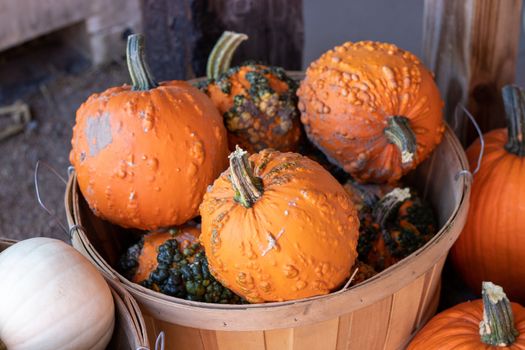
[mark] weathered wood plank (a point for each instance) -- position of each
(181, 33)
(22, 20)
(472, 48)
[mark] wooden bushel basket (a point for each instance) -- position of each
(129, 332)
(380, 313)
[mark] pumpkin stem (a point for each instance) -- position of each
(248, 187)
(514, 102)
(221, 56)
(401, 134)
(385, 208)
(497, 327)
(139, 72)
(368, 197)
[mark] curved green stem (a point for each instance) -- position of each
(514, 102)
(385, 208)
(221, 56)
(497, 327)
(248, 187)
(139, 72)
(401, 134)
(368, 197)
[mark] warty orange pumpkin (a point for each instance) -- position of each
(490, 323)
(372, 108)
(258, 102)
(491, 244)
(144, 154)
(277, 226)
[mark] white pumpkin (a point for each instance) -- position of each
(51, 297)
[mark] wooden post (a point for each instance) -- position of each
(181, 33)
(472, 47)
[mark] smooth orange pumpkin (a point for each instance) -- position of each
(258, 102)
(372, 108)
(278, 226)
(144, 154)
(491, 244)
(489, 323)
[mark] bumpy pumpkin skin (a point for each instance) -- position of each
(144, 158)
(458, 329)
(258, 104)
(491, 244)
(347, 97)
(307, 214)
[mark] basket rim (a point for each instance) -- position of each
(361, 292)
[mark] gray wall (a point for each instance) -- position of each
(332, 22)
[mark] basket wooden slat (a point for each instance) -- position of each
(383, 312)
(130, 331)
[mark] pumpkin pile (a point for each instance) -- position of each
(264, 223)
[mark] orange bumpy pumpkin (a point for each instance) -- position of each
(258, 102)
(144, 154)
(284, 230)
(372, 108)
(491, 244)
(490, 323)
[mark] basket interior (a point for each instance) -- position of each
(435, 179)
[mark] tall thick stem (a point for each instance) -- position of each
(139, 72)
(514, 102)
(248, 187)
(497, 327)
(221, 56)
(401, 134)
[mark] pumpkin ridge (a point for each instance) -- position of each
(29, 276)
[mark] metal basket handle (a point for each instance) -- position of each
(467, 172)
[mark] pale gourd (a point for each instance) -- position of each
(51, 297)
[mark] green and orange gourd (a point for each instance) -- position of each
(372, 108)
(393, 227)
(491, 244)
(277, 226)
(172, 262)
(258, 102)
(144, 154)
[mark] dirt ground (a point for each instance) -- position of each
(53, 103)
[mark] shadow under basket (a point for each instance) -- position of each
(383, 312)
(130, 331)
